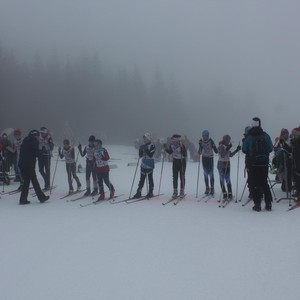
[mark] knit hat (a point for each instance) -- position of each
(147, 135)
(176, 136)
(205, 133)
(66, 142)
(256, 122)
(92, 138)
(43, 130)
(34, 132)
(296, 132)
(226, 139)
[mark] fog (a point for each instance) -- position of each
(165, 66)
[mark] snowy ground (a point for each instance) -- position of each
(195, 250)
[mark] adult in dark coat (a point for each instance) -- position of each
(28, 154)
(258, 164)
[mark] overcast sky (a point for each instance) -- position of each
(250, 48)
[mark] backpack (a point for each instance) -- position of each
(259, 152)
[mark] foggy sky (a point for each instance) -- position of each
(247, 49)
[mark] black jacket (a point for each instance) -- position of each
(29, 152)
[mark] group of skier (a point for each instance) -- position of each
(256, 145)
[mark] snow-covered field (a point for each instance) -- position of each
(195, 250)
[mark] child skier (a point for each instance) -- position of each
(224, 165)
(179, 153)
(90, 166)
(68, 153)
(101, 158)
(46, 146)
(146, 152)
(207, 148)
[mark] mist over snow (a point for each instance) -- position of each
(121, 68)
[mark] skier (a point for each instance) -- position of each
(179, 154)
(46, 146)
(7, 152)
(68, 153)
(101, 158)
(146, 152)
(295, 142)
(28, 153)
(258, 146)
(283, 158)
(207, 148)
(90, 166)
(16, 147)
(224, 165)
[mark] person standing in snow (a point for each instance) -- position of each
(68, 153)
(295, 142)
(29, 152)
(283, 158)
(146, 152)
(179, 154)
(224, 165)
(258, 146)
(101, 158)
(90, 166)
(207, 148)
(46, 146)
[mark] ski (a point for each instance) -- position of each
(180, 198)
(296, 205)
(99, 201)
(225, 202)
(170, 200)
(70, 194)
(80, 197)
(141, 199)
(208, 198)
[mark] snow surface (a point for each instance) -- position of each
(195, 250)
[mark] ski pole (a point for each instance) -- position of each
(54, 173)
(198, 175)
(137, 164)
(161, 172)
(237, 177)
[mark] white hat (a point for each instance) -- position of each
(147, 135)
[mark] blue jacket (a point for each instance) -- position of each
(248, 144)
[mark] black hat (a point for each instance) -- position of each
(34, 132)
(176, 136)
(92, 138)
(66, 142)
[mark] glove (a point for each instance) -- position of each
(228, 147)
(238, 148)
(79, 147)
(59, 149)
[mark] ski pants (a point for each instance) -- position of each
(260, 183)
(144, 173)
(71, 172)
(104, 177)
(90, 170)
(29, 175)
(178, 168)
(208, 170)
(44, 168)
(224, 174)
